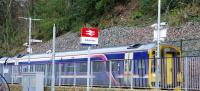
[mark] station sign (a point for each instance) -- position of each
(36, 40)
(89, 36)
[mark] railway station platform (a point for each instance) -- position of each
(71, 88)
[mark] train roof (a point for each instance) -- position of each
(135, 47)
(6, 59)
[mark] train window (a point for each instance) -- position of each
(83, 67)
(115, 66)
(49, 67)
(39, 67)
(153, 65)
(69, 67)
(141, 64)
(107, 66)
(24, 68)
(97, 66)
(127, 65)
(63, 68)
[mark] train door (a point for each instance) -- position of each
(168, 67)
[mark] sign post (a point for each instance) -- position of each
(89, 37)
(88, 70)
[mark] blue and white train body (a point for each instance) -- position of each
(119, 66)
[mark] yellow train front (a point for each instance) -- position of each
(170, 67)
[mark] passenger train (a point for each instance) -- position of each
(119, 66)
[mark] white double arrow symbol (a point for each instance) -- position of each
(90, 32)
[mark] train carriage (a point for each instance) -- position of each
(119, 66)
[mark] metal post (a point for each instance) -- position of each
(46, 74)
(181, 45)
(91, 82)
(34, 69)
(131, 74)
(158, 46)
(29, 44)
(59, 77)
(186, 73)
(12, 75)
(74, 74)
(88, 70)
(15, 72)
(110, 72)
(3, 71)
(29, 39)
(53, 60)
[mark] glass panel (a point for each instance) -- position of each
(69, 67)
(83, 67)
(97, 66)
(153, 64)
(115, 66)
(141, 64)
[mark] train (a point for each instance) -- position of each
(124, 66)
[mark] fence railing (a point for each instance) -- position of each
(183, 73)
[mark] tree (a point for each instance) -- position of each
(9, 36)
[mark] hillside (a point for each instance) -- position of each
(116, 18)
(119, 36)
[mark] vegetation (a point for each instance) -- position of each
(70, 15)
(174, 12)
(10, 37)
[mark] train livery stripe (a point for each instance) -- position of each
(115, 56)
(100, 57)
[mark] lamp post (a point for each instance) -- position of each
(162, 34)
(158, 46)
(29, 38)
(53, 59)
